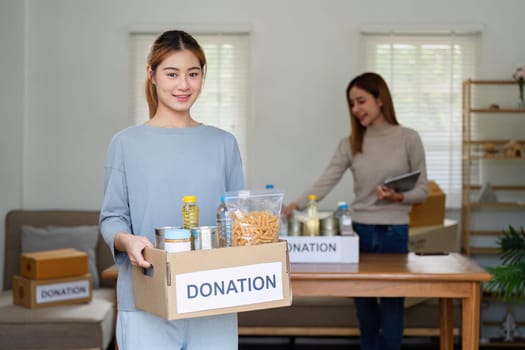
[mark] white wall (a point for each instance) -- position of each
(77, 83)
(11, 111)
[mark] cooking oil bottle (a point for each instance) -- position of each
(311, 227)
(190, 212)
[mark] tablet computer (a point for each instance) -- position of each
(403, 183)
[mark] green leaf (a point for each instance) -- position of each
(508, 280)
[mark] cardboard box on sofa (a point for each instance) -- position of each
(323, 249)
(213, 281)
(51, 292)
(442, 237)
(51, 264)
(432, 211)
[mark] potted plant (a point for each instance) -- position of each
(508, 279)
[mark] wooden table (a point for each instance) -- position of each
(404, 275)
(446, 277)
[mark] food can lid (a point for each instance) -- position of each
(177, 233)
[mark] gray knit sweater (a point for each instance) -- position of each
(388, 150)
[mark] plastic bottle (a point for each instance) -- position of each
(224, 225)
(338, 213)
(283, 226)
(190, 212)
(345, 221)
(283, 222)
(311, 227)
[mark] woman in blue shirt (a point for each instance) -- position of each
(149, 168)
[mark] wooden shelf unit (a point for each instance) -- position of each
(473, 151)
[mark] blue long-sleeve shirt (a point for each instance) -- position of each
(148, 170)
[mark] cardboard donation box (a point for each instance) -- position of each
(213, 281)
(50, 264)
(36, 294)
(432, 211)
(323, 249)
(52, 277)
(442, 237)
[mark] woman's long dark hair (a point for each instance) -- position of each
(374, 84)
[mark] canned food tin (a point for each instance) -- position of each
(160, 233)
(328, 225)
(177, 240)
(205, 237)
(295, 227)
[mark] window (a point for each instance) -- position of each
(224, 98)
(425, 74)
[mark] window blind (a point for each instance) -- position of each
(425, 74)
(224, 98)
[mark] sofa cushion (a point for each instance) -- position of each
(84, 238)
(65, 326)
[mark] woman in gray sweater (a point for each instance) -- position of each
(378, 148)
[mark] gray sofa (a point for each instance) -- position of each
(74, 326)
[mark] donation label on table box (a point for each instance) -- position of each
(213, 281)
(323, 249)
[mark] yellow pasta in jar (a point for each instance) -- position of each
(256, 227)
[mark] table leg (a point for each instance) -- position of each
(446, 326)
(470, 319)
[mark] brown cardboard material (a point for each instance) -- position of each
(52, 292)
(432, 211)
(50, 264)
(180, 284)
(442, 238)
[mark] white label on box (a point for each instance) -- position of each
(323, 249)
(228, 287)
(62, 291)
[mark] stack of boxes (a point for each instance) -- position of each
(53, 277)
(429, 230)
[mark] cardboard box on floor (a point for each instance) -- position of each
(213, 281)
(432, 211)
(51, 292)
(49, 264)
